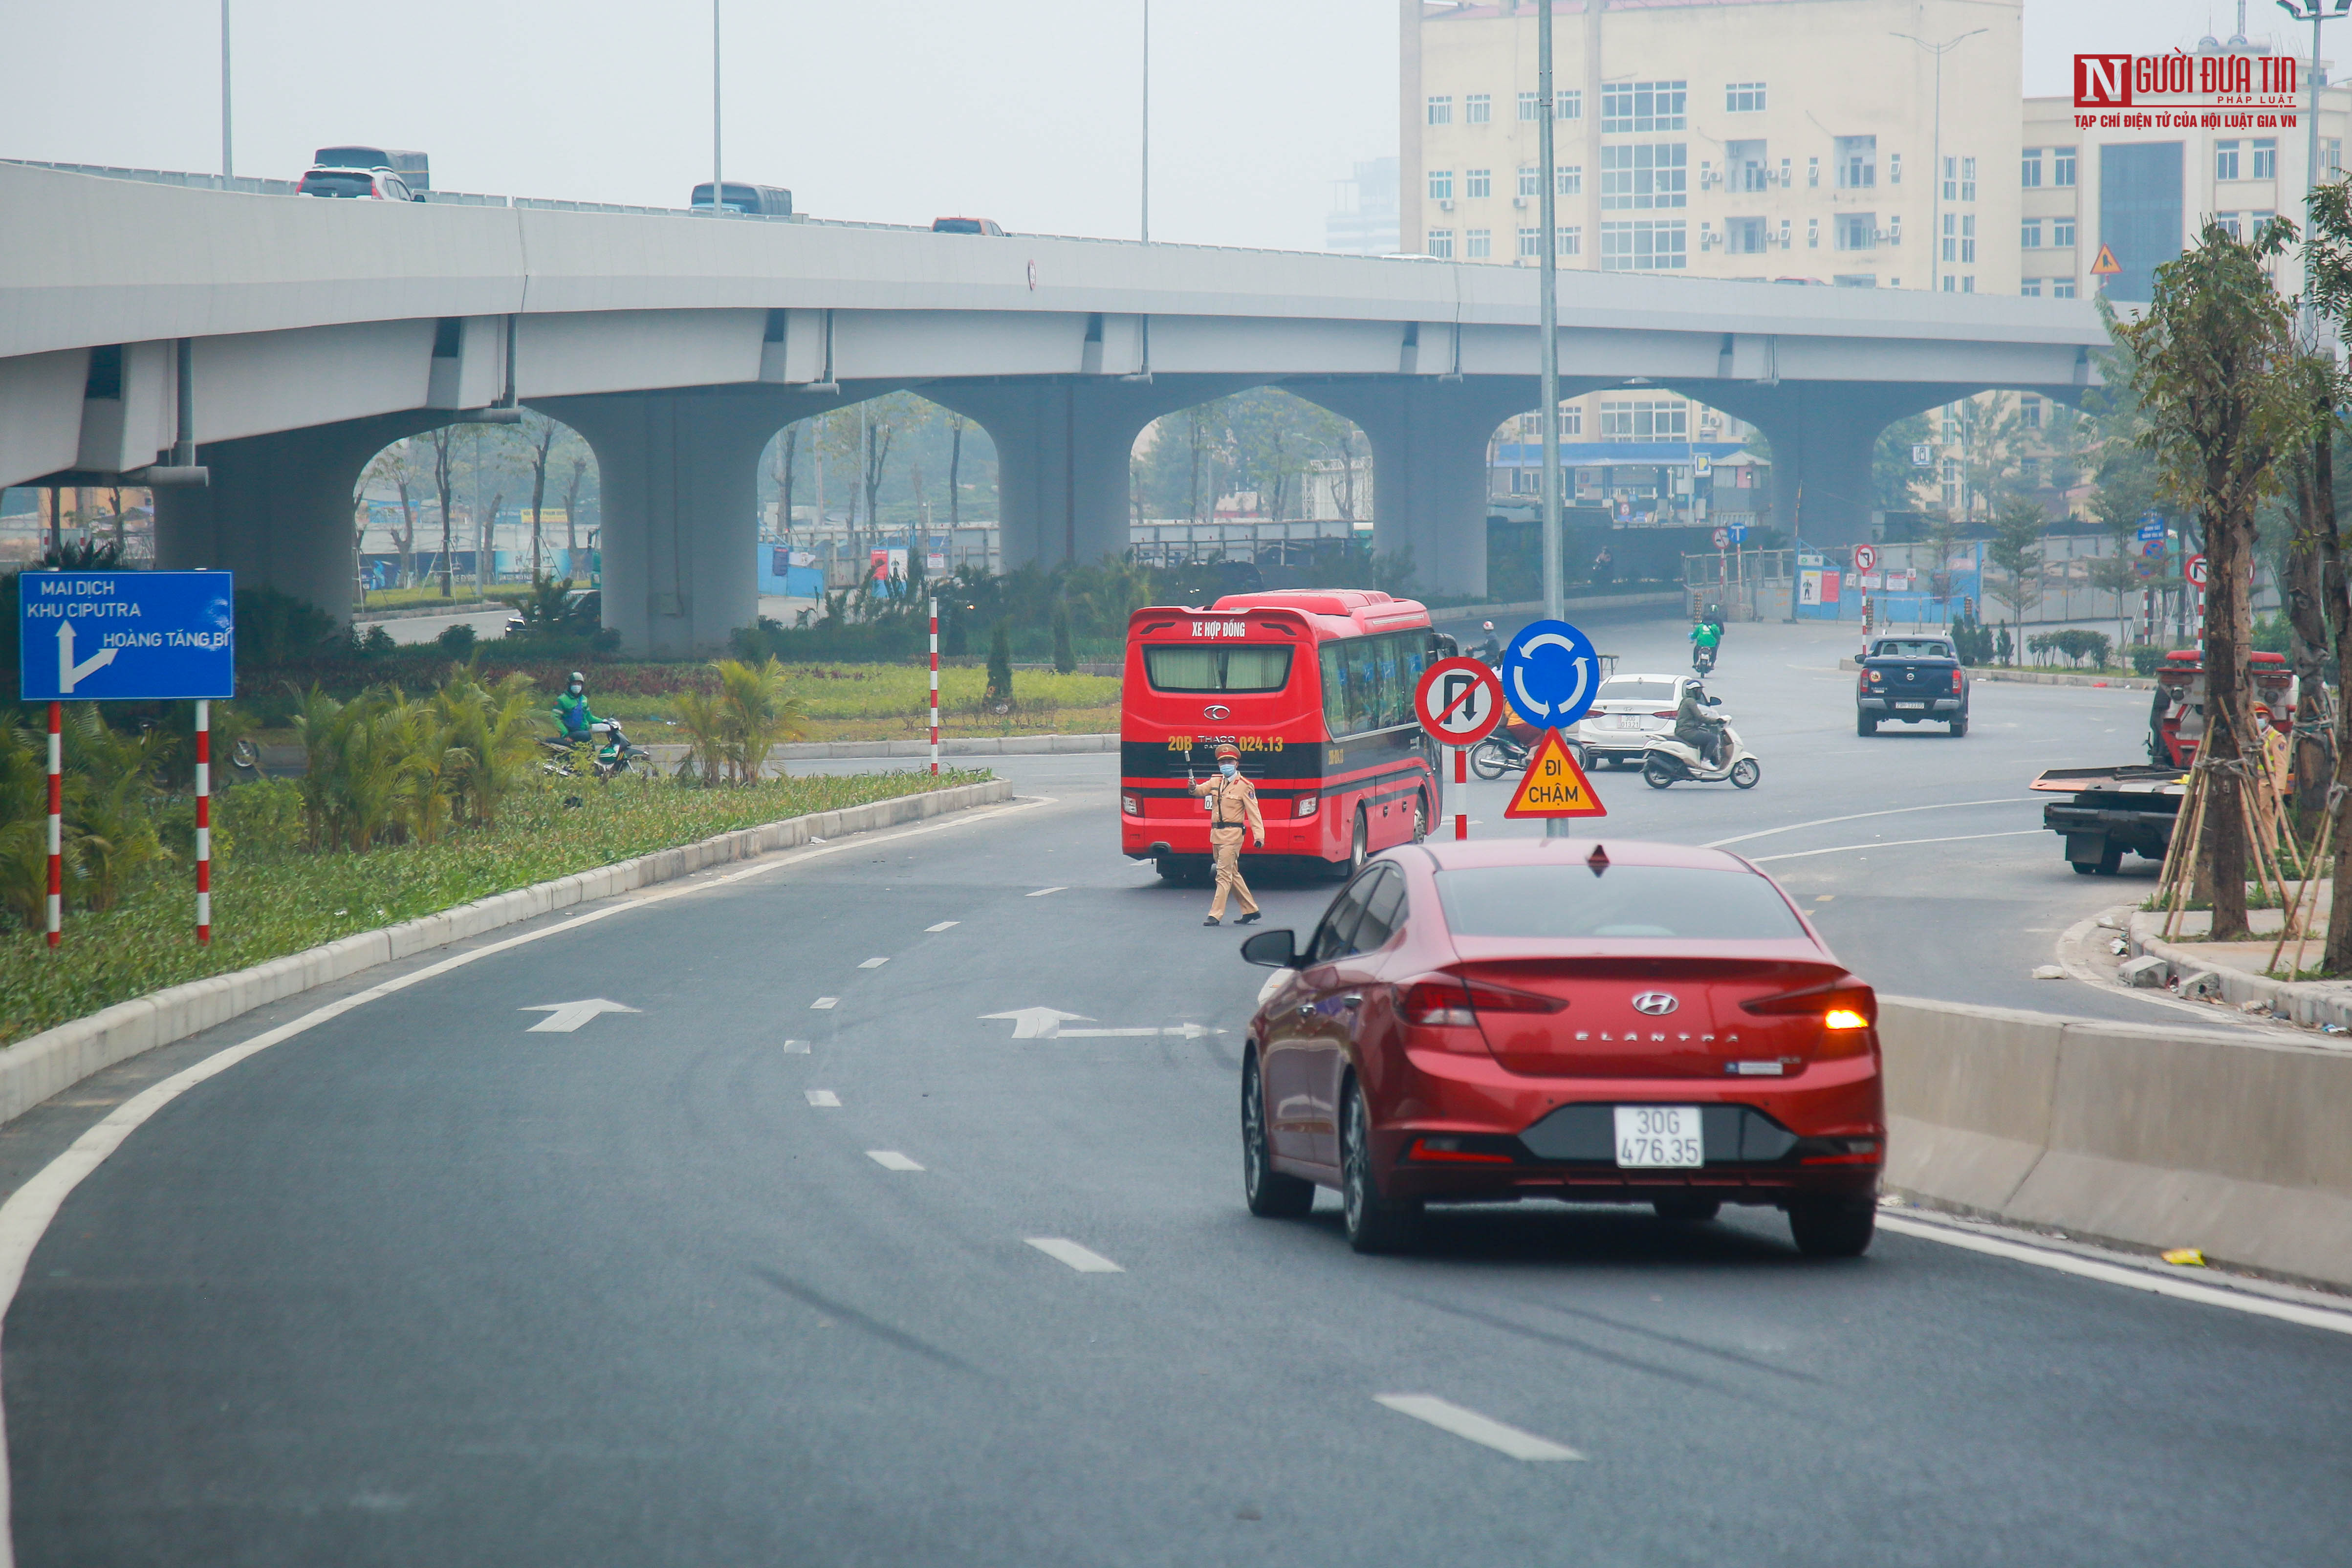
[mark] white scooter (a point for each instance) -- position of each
(1669, 761)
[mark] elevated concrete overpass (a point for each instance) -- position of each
(314, 332)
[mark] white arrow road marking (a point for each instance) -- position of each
(874, 963)
(943, 925)
(68, 672)
(1042, 892)
(565, 1018)
(891, 1160)
(824, 1097)
(825, 1002)
(800, 1047)
(1448, 1417)
(1078, 1257)
(1036, 1023)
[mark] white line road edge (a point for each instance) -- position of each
(1042, 892)
(2118, 1274)
(1485, 1430)
(823, 1002)
(1858, 816)
(874, 963)
(1085, 1260)
(943, 925)
(824, 1099)
(891, 1160)
(26, 1216)
(1894, 844)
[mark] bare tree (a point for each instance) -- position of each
(543, 435)
(445, 442)
(955, 469)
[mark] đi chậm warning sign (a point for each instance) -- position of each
(1553, 784)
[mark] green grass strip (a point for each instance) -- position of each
(266, 909)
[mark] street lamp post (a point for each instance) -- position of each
(228, 156)
(717, 191)
(1547, 318)
(1146, 225)
(1936, 165)
(2314, 12)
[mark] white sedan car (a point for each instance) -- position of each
(1629, 712)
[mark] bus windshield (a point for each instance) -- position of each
(1243, 667)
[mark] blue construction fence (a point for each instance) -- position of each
(1906, 583)
(379, 570)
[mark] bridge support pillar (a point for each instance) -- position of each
(278, 510)
(1429, 466)
(677, 474)
(1824, 440)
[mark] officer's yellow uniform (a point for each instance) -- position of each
(1233, 815)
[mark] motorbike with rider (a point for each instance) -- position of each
(1703, 748)
(1705, 638)
(610, 751)
(1489, 651)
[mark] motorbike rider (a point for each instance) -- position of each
(1697, 729)
(1714, 618)
(572, 713)
(1491, 650)
(1706, 635)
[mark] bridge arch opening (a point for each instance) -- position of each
(459, 509)
(895, 472)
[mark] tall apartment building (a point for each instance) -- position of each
(1767, 139)
(2145, 192)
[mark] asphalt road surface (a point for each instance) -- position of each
(812, 1258)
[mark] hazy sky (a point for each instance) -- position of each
(897, 110)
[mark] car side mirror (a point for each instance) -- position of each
(1715, 701)
(1272, 950)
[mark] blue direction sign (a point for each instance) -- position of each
(1550, 674)
(89, 636)
(2151, 526)
(1739, 532)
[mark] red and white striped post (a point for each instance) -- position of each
(935, 688)
(57, 822)
(203, 821)
(1461, 791)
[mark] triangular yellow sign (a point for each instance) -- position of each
(2106, 266)
(1554, 785)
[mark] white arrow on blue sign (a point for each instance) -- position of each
(114, 636)
(1550, 673)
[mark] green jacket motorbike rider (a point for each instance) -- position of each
(572, 714)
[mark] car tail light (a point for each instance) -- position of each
(1452, 1152)
(1839, 1151)
(1863, 684)
(1957, 686)
(1129, 805)
(1847, 1011)
(1309, 805)
(1663, 714)
(1446, 1001)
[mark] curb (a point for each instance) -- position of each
(2306, 1001)
(2035, 678)
(43, 1064)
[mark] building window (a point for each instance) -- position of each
(1440, 184)
(1813, 234)
(1477, 244)
(1857, 280)
(2029, 470)
(1788, 180)
(1952, 179)
(2257, 222)
(1477, 182)
(1968, 179)
(2225, 160)
(2031, 287)
(1857, 162)
(1784, 234)
(1894, 168)
(1812, 173)
(1441, 242)
(1967, 285)
(1644, 244)
(1968, 242)
(1743, 98)
(2266, 158)
(1571, 421)
(2228, 224)
(1644, 176)
(1895, 230)
(2030, 234)
(1638, 106)
(1857, 231)
(2061, 287)
(1441, 109)
(2331, 154)
(2030, 407)
(2062, 231)
(1744, 235)
(2062, 166)
(1570, 178)
(1744, 167)
(1571, 240)
(1531, 106)
(1531, 180)
(1644, 419)
(1568, 103)
(1531, 244)
(1951, 240)
(2030, 169)
(1478, 109)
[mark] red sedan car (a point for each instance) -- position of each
(1593, 1022)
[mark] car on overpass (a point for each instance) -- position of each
(1618, 1023)
(751, 201)
(415, 169)
(362, 184)
(966, 225)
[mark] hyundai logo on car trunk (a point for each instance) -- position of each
(1656, 1004)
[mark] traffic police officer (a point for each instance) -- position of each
(1233, 815)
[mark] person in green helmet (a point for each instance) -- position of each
(572, 714)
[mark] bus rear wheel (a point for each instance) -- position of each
(1183, 870)
(1421, 817)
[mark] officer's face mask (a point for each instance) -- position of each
(1228, 769)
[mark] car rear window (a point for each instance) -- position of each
(1233, 669)
(1636, 691)
(339, 183)
(1558, 901)
(1892, 649)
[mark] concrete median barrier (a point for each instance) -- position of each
(2236, 1144)
(54, 1059)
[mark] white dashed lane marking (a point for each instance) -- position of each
(1485, 1430)
(943, 925)
(825, 1002)
(891, 1160)
(796, 1047)
(1042, 892)
(824, 1097)
(874, 963)
(1078, 1257)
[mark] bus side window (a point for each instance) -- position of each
(1363, 685)
(1415, 658)
(1335, 692)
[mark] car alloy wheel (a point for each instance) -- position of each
(1375, 1224)
(1271, 1194)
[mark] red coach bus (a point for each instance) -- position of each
(1315, 688)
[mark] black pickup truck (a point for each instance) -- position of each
(1911, 681)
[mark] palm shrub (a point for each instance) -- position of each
(1065, 661)
(114, 807)
(492, 728)
(757, 710)
(700, 715)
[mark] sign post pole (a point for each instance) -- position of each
(1459, 702)
(203, 821)
(57, 822)
(935, 688)
(1461, 792)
